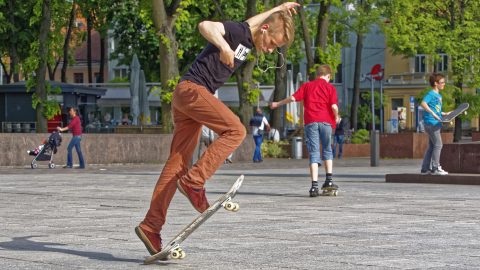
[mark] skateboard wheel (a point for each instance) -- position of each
(176, 254)
(183, 254)
(34, 165)
(236, 207)
(51, 165)
(230, 206)
(335, 193)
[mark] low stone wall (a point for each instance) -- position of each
(408, 144)
(461, 158)
(475, 136)
(101, 148)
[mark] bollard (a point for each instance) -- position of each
(297, 152)
(374, 148)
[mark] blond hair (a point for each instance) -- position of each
(279, 21)
(324, 70)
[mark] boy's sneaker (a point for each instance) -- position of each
(439, 171)
(427, 172)
(313, 191)
(197, 197)
(329, 185)
(152, 241)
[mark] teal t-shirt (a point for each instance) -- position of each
(434, 101)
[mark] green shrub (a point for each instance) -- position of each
(361, 136)
(274, 149)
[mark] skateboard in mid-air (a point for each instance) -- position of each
(329, 191)
(172, 249)
(462, 108)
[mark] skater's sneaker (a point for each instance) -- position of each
(197, 197)
(439, 172)
(427, 172)
(152, 241)
(329, 185)
(313, 191)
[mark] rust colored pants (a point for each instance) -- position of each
(193, 106)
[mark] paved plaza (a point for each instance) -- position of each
(85, 219)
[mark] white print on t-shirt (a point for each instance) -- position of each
(241, 52)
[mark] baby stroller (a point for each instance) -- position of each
(46, 150)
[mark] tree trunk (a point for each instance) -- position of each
(165, 26)
(66, 44)
(308, 43)
(322, 28)
(101, 77)
(13, 53)
(244, 77)
(89, 48)
(40, 87)
(280, 92)
(356, 82)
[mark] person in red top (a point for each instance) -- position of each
(320, 118)
(76, 127)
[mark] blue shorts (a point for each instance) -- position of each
(316, 133)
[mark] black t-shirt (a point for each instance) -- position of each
(207, 70)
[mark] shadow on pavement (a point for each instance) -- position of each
(25, 244)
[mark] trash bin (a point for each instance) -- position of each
(297, 148)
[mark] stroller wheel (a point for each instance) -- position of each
(51, 165)
(34, 165)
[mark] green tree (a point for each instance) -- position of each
(431, 27)
(16, 36)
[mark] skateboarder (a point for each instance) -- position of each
(432, 117)
(194, 105)
(320, 117)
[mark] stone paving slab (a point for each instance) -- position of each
(84, 219)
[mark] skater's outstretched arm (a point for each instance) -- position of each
(282, 102)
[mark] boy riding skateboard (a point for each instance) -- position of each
(194, 105)
(320, 117)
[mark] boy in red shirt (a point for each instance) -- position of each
(320, 118)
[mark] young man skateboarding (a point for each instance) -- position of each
(320, 117)
(194, 105)
(432, 117)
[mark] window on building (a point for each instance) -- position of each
(338, 75)
(97, 77)
(442, 63)
(420, 63)
(397, 102)
(121, 73)
(78, 77)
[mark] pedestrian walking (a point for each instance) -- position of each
(76, 127)
(260, 125)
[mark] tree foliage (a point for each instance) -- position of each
(431, 27)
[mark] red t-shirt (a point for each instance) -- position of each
(75, 126)
(318, 97)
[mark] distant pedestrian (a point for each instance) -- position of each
(320, 116)
(76, 127)
(259, 126)
(432, 118)
(339, 137)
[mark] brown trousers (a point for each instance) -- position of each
(193, 106)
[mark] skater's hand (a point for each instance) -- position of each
(227, 57)
(273, 105)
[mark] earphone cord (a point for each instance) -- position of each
(269, 67)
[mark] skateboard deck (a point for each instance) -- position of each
(329, 192)
(459, 110)
(172, 249)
